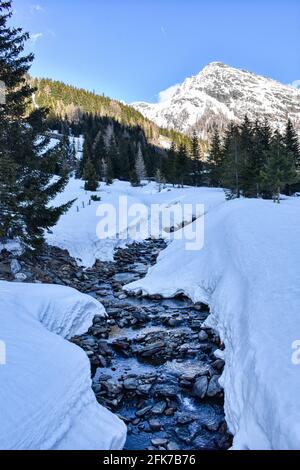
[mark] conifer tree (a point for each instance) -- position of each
(114, 158)
(159, 179)
(104, 170)
(90, 176)
(292, 147)
(196, 160)
(279, 169)
(291, 142)
(181, 165)
(22, 146)
(258, 156)
(140, 168)
(215, 159)
(169, 167)
(232, 165)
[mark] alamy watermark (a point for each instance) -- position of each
(137, 221)
(2, 353)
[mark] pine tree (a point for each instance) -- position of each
(22, 146)
(99, 153)
(215, 159)
(279, 170)
(259, 155)
(169, 166)
(291, 142)
(181, 165)
(196, 160)
(114, 158)
(231, 167)
(10, 193)
(65, 156)
(292, 146)
(104, 171)
(90, 177)
(140, 168)
(159, 179)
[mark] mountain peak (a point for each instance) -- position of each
(219, 94)
(216, 64)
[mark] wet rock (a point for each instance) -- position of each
(203, 336)
(113, 388)
(159, 408)
(173, 446)
(169, 411)
(155, 425)
(218, 364)
(125, 278)
(130, 384)
(157, 442)
(151, 349)
(174, 322)
(166, 390)
(185, 418)
(89, 342)
(214, 388)
(144, 389)
(122, 296)
(200, 387)
(143, 411)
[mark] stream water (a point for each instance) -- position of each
(153, 360)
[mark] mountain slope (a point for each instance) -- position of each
(66, 101)
(219, 94)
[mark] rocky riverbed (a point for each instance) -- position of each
(152, 359)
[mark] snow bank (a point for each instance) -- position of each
(76, 230)
(248, 272)
(45, 386)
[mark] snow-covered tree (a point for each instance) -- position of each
(140, 165)
(160, 180)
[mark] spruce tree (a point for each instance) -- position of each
(90, 176)
(140, 168)
(232, 165)
(215, 159)
(259, 155)
(181, 165)
(22, 146)
(292, 147)
(291, 142)
(197, 164)
(279, 169)
(169, 168)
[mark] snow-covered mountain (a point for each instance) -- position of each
(219, 94)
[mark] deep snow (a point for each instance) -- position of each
(45, 393)
(248, 272)
(76, 230)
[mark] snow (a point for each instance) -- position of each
(46, 395)
(248, 272)
(76, 231)
(219, 94)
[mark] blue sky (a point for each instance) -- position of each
(133, 49)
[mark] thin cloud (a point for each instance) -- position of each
(36, 8)
(35, 37)
(163, 30)
(167, 94)
(295, 84)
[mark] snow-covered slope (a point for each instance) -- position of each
(76, 231)
(248, 271)
(219, 94)
(45, 392)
